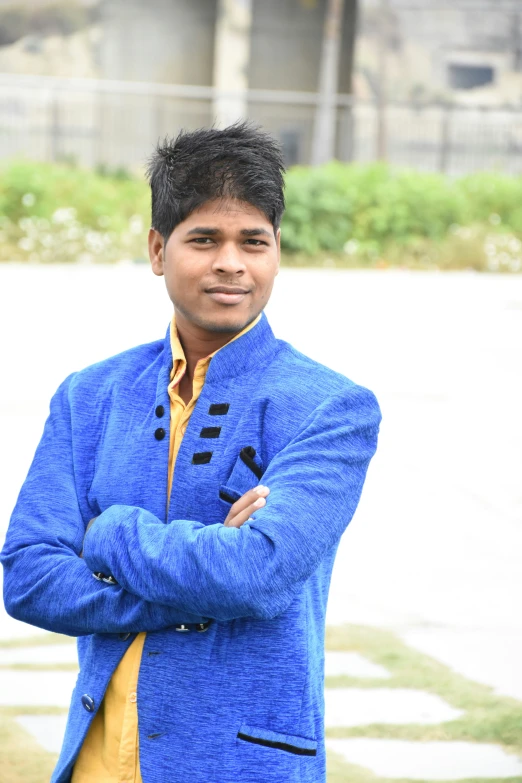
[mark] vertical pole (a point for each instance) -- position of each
(323, 142)
(382, 86)
(517, 42)
(55, 127)
(445, 138)
(231, 60)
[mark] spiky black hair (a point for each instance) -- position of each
(239, 162)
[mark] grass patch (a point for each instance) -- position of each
(23, 760)
(37, 641)
(488, 718)
(13, 712)
(341, 772)
(40, 667)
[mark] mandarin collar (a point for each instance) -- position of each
(243, 355)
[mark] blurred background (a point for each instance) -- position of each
(401, 124)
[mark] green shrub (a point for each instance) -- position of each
(57, 212)
(329, 205)
(493, 198)
(337, 215)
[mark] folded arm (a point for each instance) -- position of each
(46, 583)
(256, 570)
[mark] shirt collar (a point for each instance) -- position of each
(253, 346)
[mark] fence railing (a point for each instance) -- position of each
(117, 123)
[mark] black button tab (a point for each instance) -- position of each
(160, 433)
(210, 432)
(201, 457)
(160, 411)
(219, 408)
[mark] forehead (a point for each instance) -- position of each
(226, 214)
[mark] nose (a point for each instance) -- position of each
(229, 259)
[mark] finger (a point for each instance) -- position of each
(247, 499)
(243, 516)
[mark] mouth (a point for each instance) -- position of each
(225, 295)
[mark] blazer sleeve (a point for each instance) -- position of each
(46, 583)
(254, 571)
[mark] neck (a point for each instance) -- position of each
(198, 343)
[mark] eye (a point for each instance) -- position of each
(256, 242)
(201, 240)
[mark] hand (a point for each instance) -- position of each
(243, 508)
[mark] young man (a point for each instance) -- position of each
(198, 594)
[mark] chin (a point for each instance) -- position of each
(226, 322)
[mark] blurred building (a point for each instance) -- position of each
(466, 51)
(434, 84)
(234, 46)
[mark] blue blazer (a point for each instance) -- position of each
(242, 701)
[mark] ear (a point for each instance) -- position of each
(156, 251)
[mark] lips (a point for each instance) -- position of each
(227, 296)
(223, 289)
(227, 299)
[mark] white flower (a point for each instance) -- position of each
(64, 215)
(351, 247)
(26, 243)
(28, 199)
(74, 232)
(47, 240)
(136, 224)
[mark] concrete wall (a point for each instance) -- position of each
(286, 44)
(425, 39)
(158, 40)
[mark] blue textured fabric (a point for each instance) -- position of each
(242, 701)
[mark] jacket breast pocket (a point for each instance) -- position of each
(272, 756)
(246, 474)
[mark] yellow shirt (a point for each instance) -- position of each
(110, 752)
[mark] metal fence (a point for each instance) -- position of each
(116, 124)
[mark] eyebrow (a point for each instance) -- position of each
(245, 232)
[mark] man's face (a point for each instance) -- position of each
(225, 244)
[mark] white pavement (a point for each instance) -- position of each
(338, 663)
(435, 545)
(398, 706)
(44, 655)
(428, 760)
(22, 688)
(48, 730)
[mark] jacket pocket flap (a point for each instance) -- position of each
(245, 475)
(290, 743)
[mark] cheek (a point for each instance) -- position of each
(178, 280)
(266, 282)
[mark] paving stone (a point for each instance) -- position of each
(34, 688)
(352, 664)
(428, 760)
(362, 706)
(48, 730)
(483, 656)
(46, 654)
